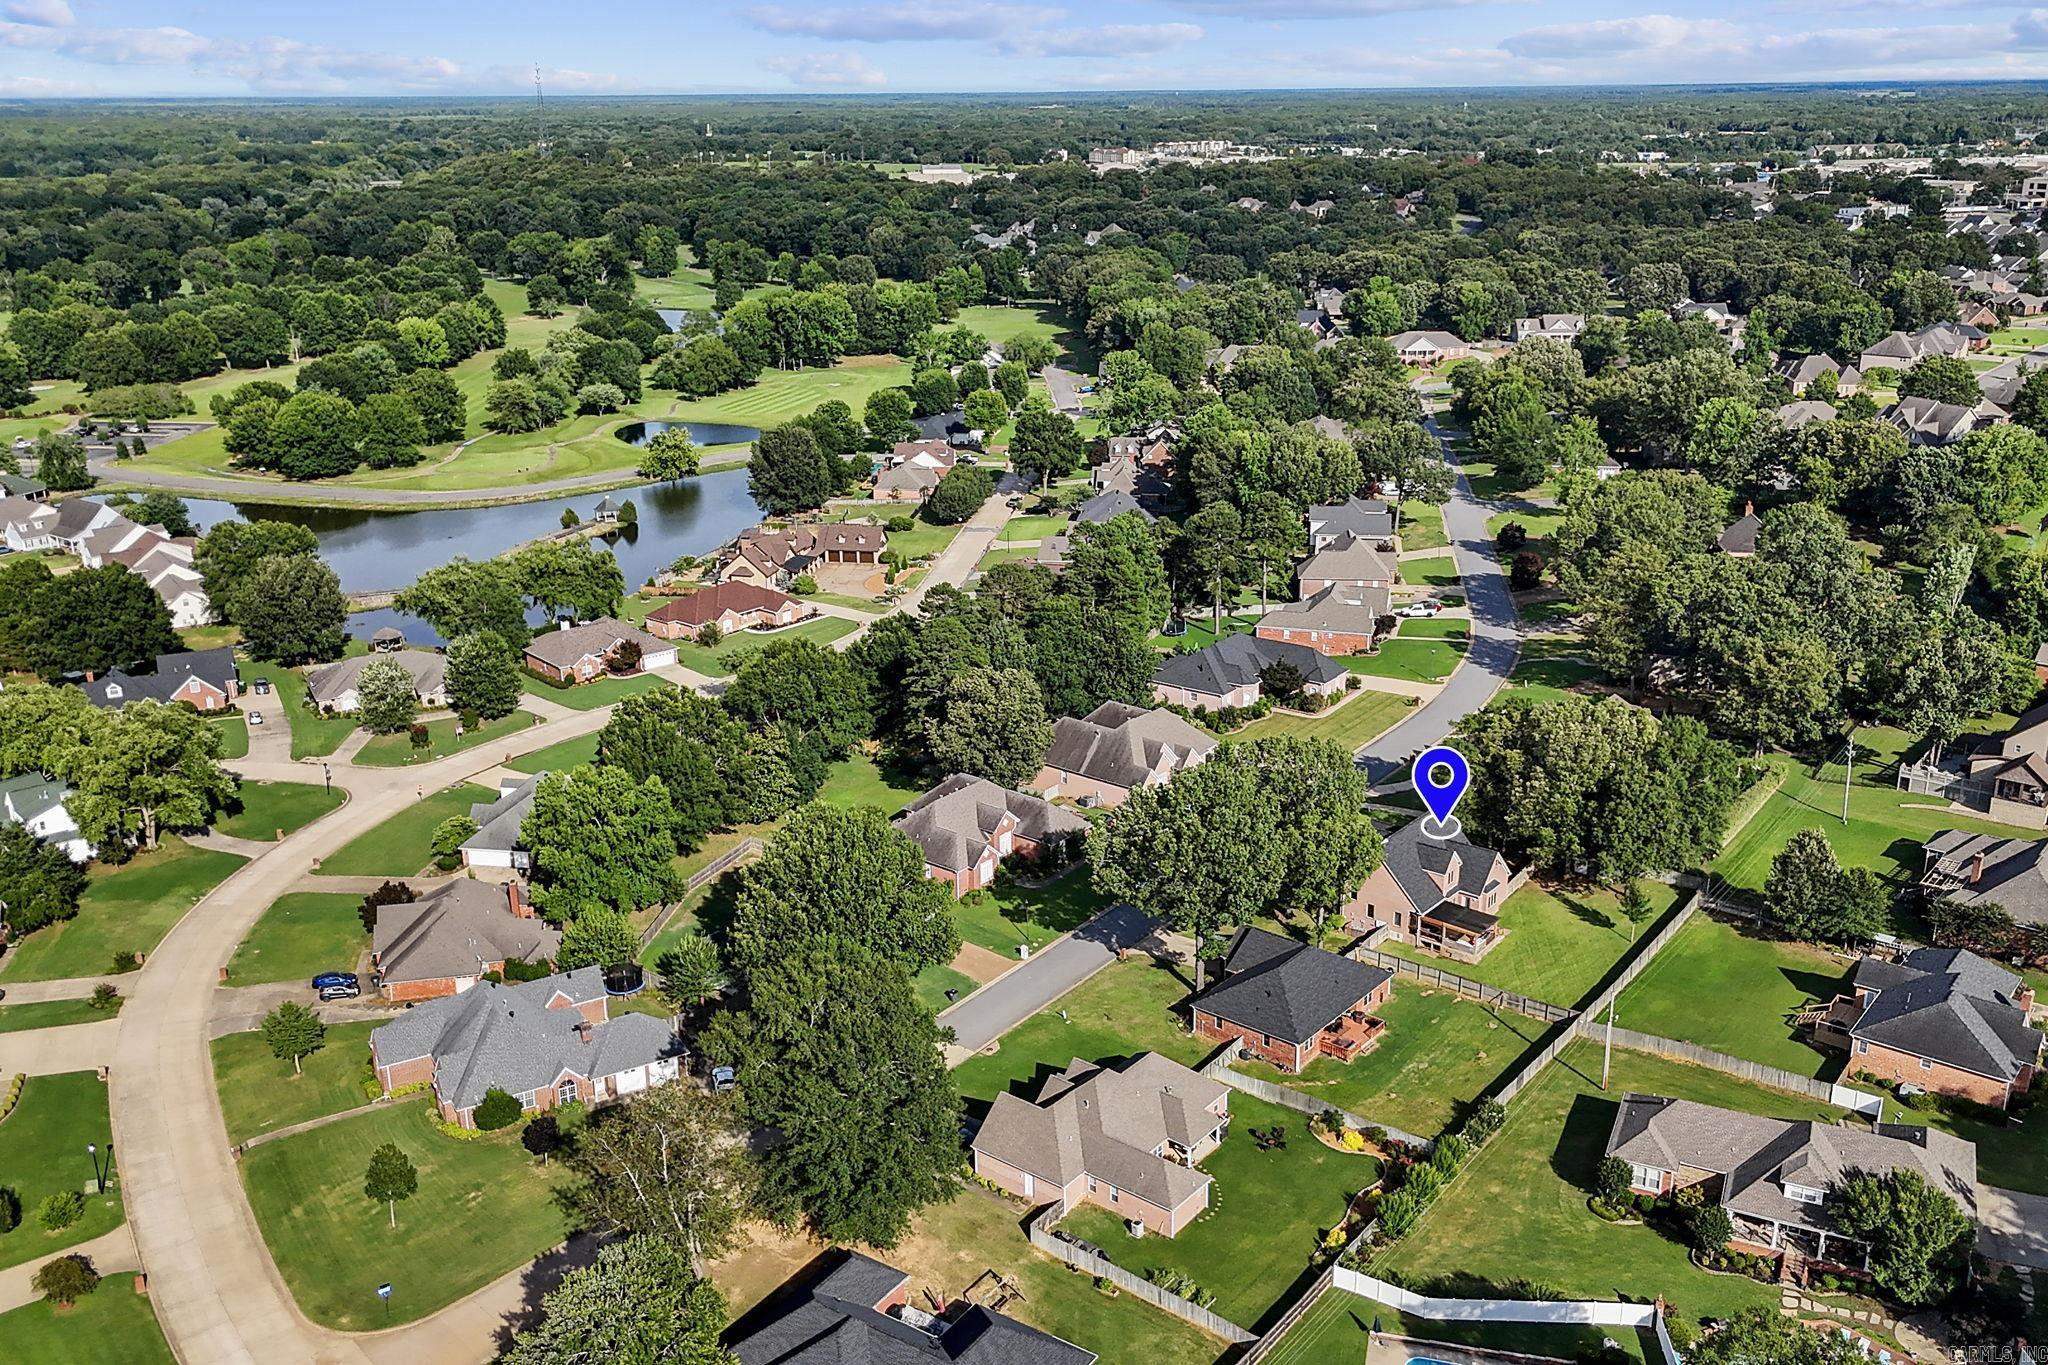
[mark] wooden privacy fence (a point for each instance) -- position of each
(1218, 1068)
(1039, 1230)
(1464, 985)
(745, 849)
(1777, 1078)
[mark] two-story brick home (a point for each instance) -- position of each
(967, 826)
(1440, 895)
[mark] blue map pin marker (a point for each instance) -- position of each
(1441, 776)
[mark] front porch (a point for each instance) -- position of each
(1354, 1035)
(1799, 1249)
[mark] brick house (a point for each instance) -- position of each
(861, 1312)
(1123, 1138)
(337, 687)
(203, 679)
(448, 940)
(580, 653)
(776, 558)
(547, 1042)
(731, 606)
(1428, 349)
(1364, 519)
(967, 826)
(2009, 776)
(1100, 758)
(1773, 1175)
(1337, 620)
(1440, 895)
(1940, 1018)
(1287, 1003)
(1227, 672)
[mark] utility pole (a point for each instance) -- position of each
(1848, 770)
(1607, 1050)
(540, 113)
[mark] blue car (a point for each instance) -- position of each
(326, 979)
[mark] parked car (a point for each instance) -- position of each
(723, 1078)
(255, 717)
(326, 979)
(348, 991)
(1422, 609)
(263, 687)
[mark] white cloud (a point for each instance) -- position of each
(1646, 33)
(830, 71)
(46, 13)
(1104, 40)
(1322, 9)
(901, 23)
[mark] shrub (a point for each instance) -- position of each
(898, 524)
(709, 634)
(498, 1109)
(1174, 1282)
(542, 1136)
(13, 1094)
(1397, 1214)
(1611, 1181)
(570, 519)
(803, 585)
(419, 736)
(1451, 1152)
(1487, 1118)
(1711, 1229)
(1512, 536)
(1525, 571)
(10, 1210)
(125, 961)
(105, 997)
(1352, 1140)
(66, 1280)
(61, 1210)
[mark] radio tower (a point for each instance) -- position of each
(540, 113)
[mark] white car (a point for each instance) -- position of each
(1422, 609)
(255, 717)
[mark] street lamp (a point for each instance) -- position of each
(327, 776)
(92, 1153)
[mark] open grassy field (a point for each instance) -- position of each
(334, 1247)
(112, 1326)
(1518, 1211)
(1414, 657)
(1562, 941)
(267, 807)
(1123, 1010)
(260, 1094)
(782, 395)
(1726, 986)
(404, 844)
(302, 934)
(1439, 1053)
(124, 909)
(721, 659)
(1362, 716)
(395, 751)
(1267, 1210)
(42, 1152)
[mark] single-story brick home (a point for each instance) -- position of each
(730, 606)
(337, 687)
(496, 843)
(1440, 895)
(447, 941)
(968, 825)
(1101, 758)
(203, 679)
(1429, 349)
(1287, 1003)
(1335, 620)
(1227, 672)
(1123, 1138)
(776, 558)
(580, 653)
(1943, 1019)
(1773, 1175)
(547, 1042)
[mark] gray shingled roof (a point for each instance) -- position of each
(1123, 745)
(2015, 875)
(563, 648)
(1106, 505)
(1284, 989)
(1950, 1005)
(1341, 607)
(498, 822)
(1410, 857)
(1348, 558)
(953, 820)
(1740, 537)
(29, 795)
(116, 688)
(457, 931)
(426, 667)
(1230, 663)
(839, 1324)
(1368, 518)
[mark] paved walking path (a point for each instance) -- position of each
(230, 843)
(1050, 973)
(69, 988)
(216, 1290)
(1496, 634)
(111, 1253)
(2012, 1227)
(53, 1051)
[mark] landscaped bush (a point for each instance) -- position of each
(60, 1210)
(1487, 1118)
(66, 1280)
(897, 525)
(126, 962)
(499, 1109)
(13, 1096)
(803, 585)
(1174, 1282)
(104, 997)
(10, 1209)
(1452, 1151)
(1611, 1182)
(1711, 1229)
(1512, 536)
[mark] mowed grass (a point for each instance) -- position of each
(1439, 1053)
(1339, 1329)
(565, 753)
(783, 395)
(1414, 660)
(599, 692)
(124, 909)
(397, 750)
(1008, 914)
(861, 781)
(1422, 527)
(267, 807)
(42, 1152)
(52, 1014)
(402, 845)
(1433, 571)
(1267, 1209)
(234, 736)
(723, 658)
(1127, 1008)
(1562, 941)
(1363, 716)
(483, 1208)
(1730, 988)
(112, 1326)
(260, 1094)
(1518, 1211)
(302, 934)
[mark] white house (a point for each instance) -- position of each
(36, 803)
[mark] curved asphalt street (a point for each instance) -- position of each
(1496, 634)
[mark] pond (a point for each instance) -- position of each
(701, 433)
(373, 551)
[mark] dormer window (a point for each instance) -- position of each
(114, 692)
(1805, 1194)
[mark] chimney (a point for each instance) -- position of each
(2023, 999)
(584, 1032)
(1977, 867)
(1748, 508)
(515, 902)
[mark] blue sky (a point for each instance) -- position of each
(380, 47)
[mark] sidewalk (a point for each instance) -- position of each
(111, 1253)
(53, 1051)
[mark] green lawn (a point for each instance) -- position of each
(591, 695)
(302, 934)
(393, 751)
(51, 1014)
(234, 736)
(1008, 914)
(1018, 529)
(1735, 991)
(1547, 669)
(124, 909)
(1363, 716)
(1127, 1008)
(1002, 323)
(565, 753)
(483, 1208)
(1267, 1210)
(720, 659)
(42, 1152)
(782, 395)
(1414, 660)
(1518, 1212)
(1339, 1327)
(932, 984)
(1562, 941)
(922, 540)
(1005, 554)
(1434, 571)
(267, 807)
(1539, 524)
(1201, 632)
(861, 781)
(404, 844)
(1422, 527)
(114, 1325)
(313, 735)
(260, 1094)
(1439, 1053)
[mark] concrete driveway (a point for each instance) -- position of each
(1009, 1000)
(2012, 1227)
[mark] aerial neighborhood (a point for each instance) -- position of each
(1191, 729)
